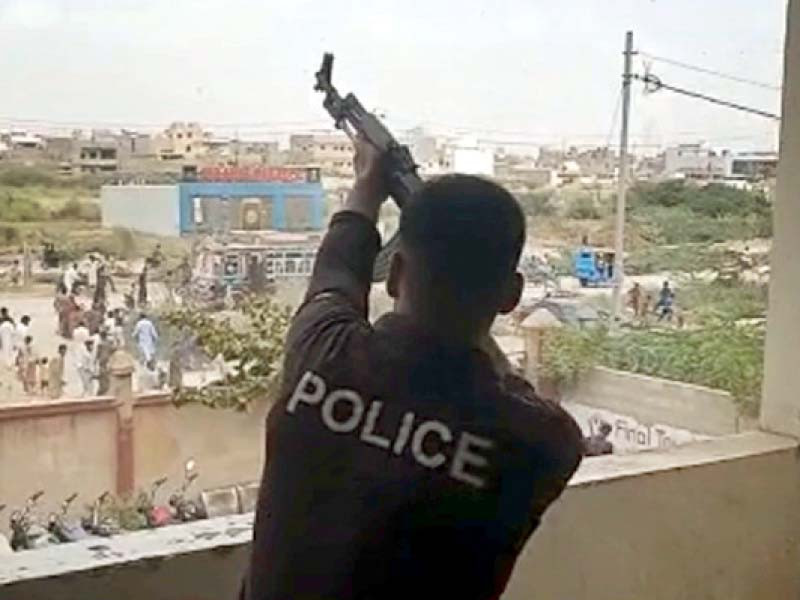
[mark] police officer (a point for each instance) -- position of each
(402, 460)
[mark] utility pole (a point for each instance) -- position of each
(622, 183)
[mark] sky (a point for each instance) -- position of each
(514, 71)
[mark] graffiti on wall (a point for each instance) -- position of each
(628, 434)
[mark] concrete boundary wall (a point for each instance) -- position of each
(84, 446)
(653, 400)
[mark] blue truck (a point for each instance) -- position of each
(594, 266)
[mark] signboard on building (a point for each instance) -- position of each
(259, 173)
(628, 434)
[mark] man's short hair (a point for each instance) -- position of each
(466, 232)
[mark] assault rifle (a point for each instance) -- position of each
(401, 172)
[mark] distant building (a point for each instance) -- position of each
(752, 166)
(423, 146)
(97, 157)
(21, 147)
(332, 153)
(240, 152)
(595, 163)
(22, 140)
(182, 141)
(220, 200)
(468, 156)
(135, 145)
(649, 167)
(694, 161)
(524, 173)
(60, 148)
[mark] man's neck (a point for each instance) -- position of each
(450, 333)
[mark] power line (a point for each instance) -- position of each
(659, 85)
(706, 71)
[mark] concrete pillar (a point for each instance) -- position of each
(535, 328)
(121, 366)
(780, 405)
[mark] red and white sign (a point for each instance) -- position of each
(256, 173)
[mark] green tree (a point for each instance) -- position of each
(251, 344)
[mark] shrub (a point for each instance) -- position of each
(14, 209)
(683, 212)
(716, 301)
(537, 204)
(77, 210)
(26, 176)
(682, 258)
(681, 225)
(9, 235)
(722, 355)
(582, 207)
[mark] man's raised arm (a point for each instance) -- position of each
(343, 267)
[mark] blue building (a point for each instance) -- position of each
(220, 200)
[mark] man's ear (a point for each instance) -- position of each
(396, 271)
(512, 294)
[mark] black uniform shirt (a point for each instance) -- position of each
(396, 468)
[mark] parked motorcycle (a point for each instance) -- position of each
(99, 522)
(5, 547)
(26, 532)
(183, 508)
(155, 514)
(62, 527)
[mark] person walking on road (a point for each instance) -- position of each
(666, 299)
(105, 349)
(103, 281)
(70, 278)
(55, 373)
(27, 365)
(635, 299)
(141, 288)
(87, 367)
(81, 334)
(21, 332)
(7, 329)
(146, 337)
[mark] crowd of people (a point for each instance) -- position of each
(39, 375)
(91, 332)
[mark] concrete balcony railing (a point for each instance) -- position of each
(714, 519)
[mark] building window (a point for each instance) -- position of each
(179, 135)
(188, 148)
(197, 205)
(189, 135)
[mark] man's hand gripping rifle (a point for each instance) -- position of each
(401, 171)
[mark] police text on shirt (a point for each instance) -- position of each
(468, 458)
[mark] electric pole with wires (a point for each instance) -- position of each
(622, 183)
